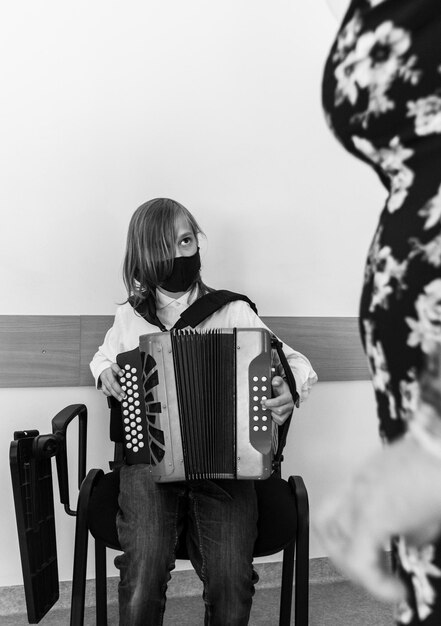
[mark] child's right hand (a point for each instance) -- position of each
(109, 382)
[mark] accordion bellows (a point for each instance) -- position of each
(195, 410)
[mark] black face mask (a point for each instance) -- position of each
(184, 271)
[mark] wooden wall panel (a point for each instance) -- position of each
(39, 350)
(332, 344)
(93, 330)
(46, 351)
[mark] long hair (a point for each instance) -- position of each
(151, 248)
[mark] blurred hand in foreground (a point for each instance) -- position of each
(397, 492)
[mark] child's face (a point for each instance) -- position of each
(186, 240)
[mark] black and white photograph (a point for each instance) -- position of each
(220, 313)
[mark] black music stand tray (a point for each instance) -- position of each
(34, 510)
(31, 472)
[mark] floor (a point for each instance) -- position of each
(331, 604)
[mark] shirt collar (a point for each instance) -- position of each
(163, 301)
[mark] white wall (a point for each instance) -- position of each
(217, 104)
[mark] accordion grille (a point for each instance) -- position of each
(206, 390)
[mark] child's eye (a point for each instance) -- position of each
(187, 241)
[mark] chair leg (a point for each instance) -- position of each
(301, 609)
(80, 550)
(79, 570)
(286, 590)
(100, 583)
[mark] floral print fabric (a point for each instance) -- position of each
(382, 100)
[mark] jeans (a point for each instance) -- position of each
(221, 519)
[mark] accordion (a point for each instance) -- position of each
(193, 404)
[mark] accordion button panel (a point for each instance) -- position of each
(130, 363)
(254, 430)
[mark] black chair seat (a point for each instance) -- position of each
(103, 507)
(276, 524)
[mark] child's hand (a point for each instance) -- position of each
(282, 405)
(109, 382)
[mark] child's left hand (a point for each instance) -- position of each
(282, 405)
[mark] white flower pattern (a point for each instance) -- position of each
(432, 211)
(419, 563)
(403, 613)
(375, 59)
(388, 275)
(379, 370)
(391, 161)
(347, 37)
(410, 394)
(427, 114)
(425, 330)
(430, 251)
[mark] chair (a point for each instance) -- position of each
(283, 525)
(283, 522)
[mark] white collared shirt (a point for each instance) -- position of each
(128, 326)
(169, 309)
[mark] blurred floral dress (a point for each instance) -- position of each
(382, 99)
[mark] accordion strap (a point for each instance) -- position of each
(147, 309)
(196, 313)
(208, 304)
(283, 429)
